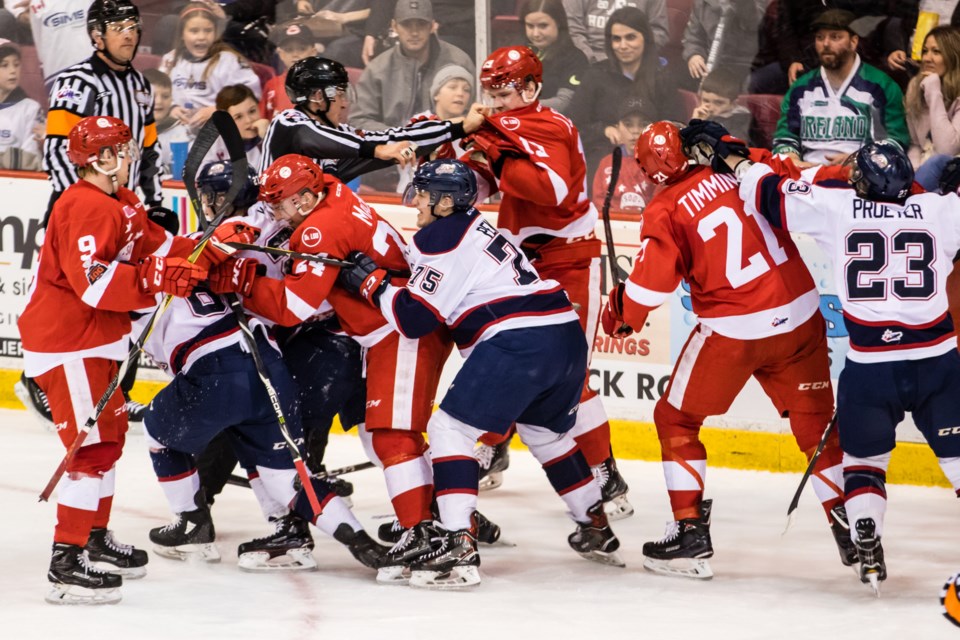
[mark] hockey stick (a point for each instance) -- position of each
(240, 481)
(228, 128)
(806, 474)
(615, 163)
(205, 139)
(279, 251)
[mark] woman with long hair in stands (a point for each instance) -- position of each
(548, 34)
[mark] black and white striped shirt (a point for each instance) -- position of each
(91, 88)
(344, 151)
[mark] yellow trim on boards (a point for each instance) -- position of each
(911, 463)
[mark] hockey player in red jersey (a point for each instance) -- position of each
(533, 156)
(758, 312)
(101, 258)
(402, 374)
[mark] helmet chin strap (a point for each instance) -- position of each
(112, 174)
(536, 94)
(320, 114)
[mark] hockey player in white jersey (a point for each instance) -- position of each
(892, 253)
(524, 353)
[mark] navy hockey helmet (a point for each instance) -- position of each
(312, 74)
(215, 178)
(881, 171)
(442, 178)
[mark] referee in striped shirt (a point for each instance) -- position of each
(105, 84)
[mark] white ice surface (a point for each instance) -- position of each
(766, 586)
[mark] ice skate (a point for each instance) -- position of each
(873, 570)
(341, 488)
(413, 543)
(365, 549)
(494, 460)
(390, 532)
(613, 490)
(684, 549)
(452, 563)
(288, 548)
(488, 532)
(76, 580)
(34, 399)
(841, 534)
(114, 557)
(594, 540)
(189, 537)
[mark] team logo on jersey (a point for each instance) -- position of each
(778, 321)
(95, 271)
(891, 336)
(129, 212)
(799, 188)
(311, 237)
(143, 98)
(511, 123)
(67, 95)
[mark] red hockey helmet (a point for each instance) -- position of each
(288, 176)
(659, 152)
(511, 67)
(92, 134)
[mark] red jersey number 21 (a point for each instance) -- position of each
(737, 273)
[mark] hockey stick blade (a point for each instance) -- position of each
(240, 481)
(795, 502)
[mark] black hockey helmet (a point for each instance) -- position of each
(214, 180)
(103, 12)
(442, 178)
(881, 171)
(312, 74)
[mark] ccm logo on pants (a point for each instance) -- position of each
(813, 386)
(949, 431)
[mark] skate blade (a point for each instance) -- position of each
(457, 578)
(395, 575)
(618, 508)
(611, 558)
(491, 481)
(206, 552)
(128, 573)
(74, 595)
(292, 560)
(697, 568)
(872, 580)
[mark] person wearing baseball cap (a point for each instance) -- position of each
(294, 43)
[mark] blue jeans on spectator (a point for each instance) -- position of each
(928, 174)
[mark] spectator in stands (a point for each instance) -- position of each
(883, 27)
(294, 42)
(455, 24)
(564, 65)
(632, 70)
(718, 101)
(396, 84)
(737, 45)
(170, 130)
(15, 21)
(238, 100)
(832, 111)
(201, 64)
(933, 106)
(352, 17)
(588, 20)
(452, 92)
(59, 33)
(632, 191)
(19, 148)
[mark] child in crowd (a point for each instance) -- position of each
(294, 43)
(718, 94)
(19, 148)
(170, 130)
(201, 64)
(633, 190)
(452, 94)
(238, 100)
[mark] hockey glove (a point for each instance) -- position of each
(612, 315)
(364, 278)
(217, 251)
(236, 275)
(170, 275)
(166, 218)
(950, 177)
(493, 147)
(714, 142)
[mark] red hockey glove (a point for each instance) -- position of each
(174, 276)
(495, 148)
(236, 275)
(365, 278)
(216, 250)
(612, 315)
